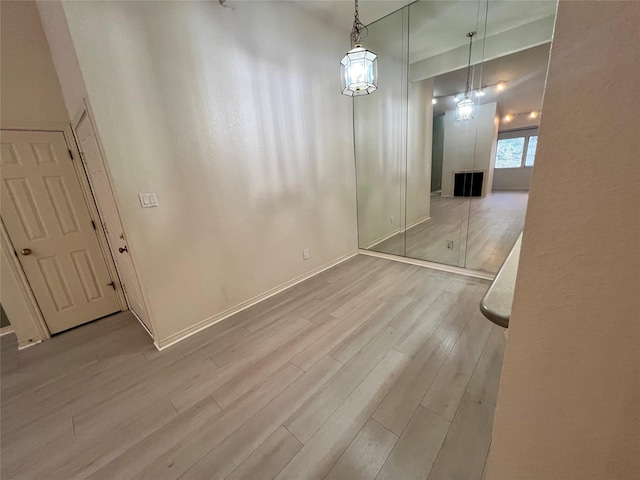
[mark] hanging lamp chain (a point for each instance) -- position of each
(358, 26)
(468, 87)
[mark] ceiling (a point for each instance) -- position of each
(439, 26)
(339, 13)
(436, 26)
(524, 74)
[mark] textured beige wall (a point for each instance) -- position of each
(569, 402)
(30, 94)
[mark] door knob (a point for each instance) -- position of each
(123, 249)
(25, 251)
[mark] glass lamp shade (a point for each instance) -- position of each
(464, 110)
(359, 72)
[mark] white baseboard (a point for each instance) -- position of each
(21, 345)
(418, 222)
(27, 344)
(6, 330)
(141, 323)
(432, 265)
(382, 239)
(396, 232)
(178, 337)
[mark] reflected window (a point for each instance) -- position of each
(531, 151)
(516, 148)
(509, 152)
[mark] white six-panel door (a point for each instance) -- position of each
(111, 219)
(46, 216)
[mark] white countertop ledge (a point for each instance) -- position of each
(496, 304)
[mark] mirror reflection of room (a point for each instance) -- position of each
(461, 187)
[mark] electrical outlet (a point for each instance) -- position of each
(391, 219)
(449, 244)
(305, 254)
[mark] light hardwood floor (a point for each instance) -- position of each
(483, 231)
(373, 369)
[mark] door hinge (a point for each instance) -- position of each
(93, 224)
(70, 153)
(113, 285)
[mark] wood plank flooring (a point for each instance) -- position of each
(483, 231)
(371, 370)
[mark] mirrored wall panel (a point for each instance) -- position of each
(380, 122)
(444, 156)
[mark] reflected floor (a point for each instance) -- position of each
(494, 224)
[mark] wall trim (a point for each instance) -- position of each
(417, 222)
(188, 332)
(432, 265)
(397, 232)
(90, 201)
(6, 330)
(141, 322)
(86, 110)
(382, 239)
(27, 344)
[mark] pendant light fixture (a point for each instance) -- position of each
(464, 110)
(359, 67)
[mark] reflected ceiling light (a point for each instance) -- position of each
(464, 110)
(533, 115)
(434, 101)
(500, 87)
(507, 118)
(456, 99)
(359, 67)
(480, 93)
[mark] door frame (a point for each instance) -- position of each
(85, 110)
(89, 201)
(24, 289)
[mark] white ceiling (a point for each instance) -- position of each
(436, 26)
(439, 26)
(524, 74)
(339, 13)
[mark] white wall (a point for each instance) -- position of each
(233, 117)
(470, 145)
(569, 401)
(518, 121)
(512, 178)
(64, 57)
(30, 95)
(420, 136)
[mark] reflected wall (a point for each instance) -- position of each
(425, 181)
(380, 122)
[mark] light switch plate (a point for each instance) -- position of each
(148, 200)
